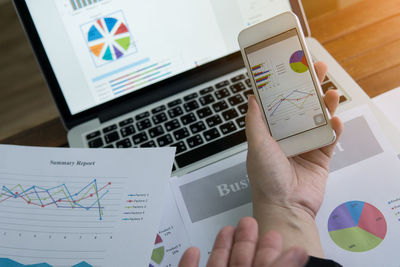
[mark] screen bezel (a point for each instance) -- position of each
(313, 81)
(139, 98)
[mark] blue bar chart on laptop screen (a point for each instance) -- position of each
(79, 4)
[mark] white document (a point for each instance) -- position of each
(220, 195)
(81, 207)
(172, 239)
(389, 103)
(359, 221)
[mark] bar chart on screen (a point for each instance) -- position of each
(80, 4)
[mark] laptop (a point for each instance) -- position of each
(157, 73)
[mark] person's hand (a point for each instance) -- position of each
(289, 188)
(241, 247)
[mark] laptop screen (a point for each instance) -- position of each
(103, 49)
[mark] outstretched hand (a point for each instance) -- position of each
(243, 248)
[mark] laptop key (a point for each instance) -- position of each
(197, 127)
(158, 109)
(192, 105)
(174, 103)
(211, 134)
(151, 143)
(180, 147)
(219, 106)
(160, 118)
(143, 125)
(210, 149)
(190, 97)
(175, 112)
(125, 143)
(248, 83)
(204, 112)
(164, 140)
(98, 142)
(243, 108)
(189, 118)
(195, 141)
(93, 135)
(237, 87)
(206, 90)
(241, 122)
(109, 146)
(227, 128)
(221, 84)
(139, 138)
(181, 133)
(235, 100)
(110, 128)
(207, 99)
(111, 137)
(247, 93)
(238, 78)
(222, 93)
(214, 120)
(126, 131)
(156, 131)
(230, 114)
(328, 86)
(142, 115)
(342, 99)
(172, 125)
(125, 122)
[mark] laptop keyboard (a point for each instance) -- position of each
(199, 124)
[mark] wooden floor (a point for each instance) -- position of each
(364, 38)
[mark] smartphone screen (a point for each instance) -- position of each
(284, 84)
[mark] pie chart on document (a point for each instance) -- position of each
(357, 226)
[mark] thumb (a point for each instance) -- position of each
(190, 258)
(256, 130)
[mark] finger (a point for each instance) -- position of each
(331, 100)
(337, 126)
(320, 68)
(294, 257)
(256, 131)
(190, 258)
(268, 250)
(222, 248)
(244, 246)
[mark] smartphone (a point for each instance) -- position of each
(286, 85)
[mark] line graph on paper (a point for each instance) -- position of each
(64, 207)
(60, 196)
(285, 104)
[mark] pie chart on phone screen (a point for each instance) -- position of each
(298, 62)
(357, 226)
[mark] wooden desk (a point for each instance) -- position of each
(364, 38)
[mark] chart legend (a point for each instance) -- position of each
(298, 62)
(357, 226)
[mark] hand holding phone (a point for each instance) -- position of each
(285, 84)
